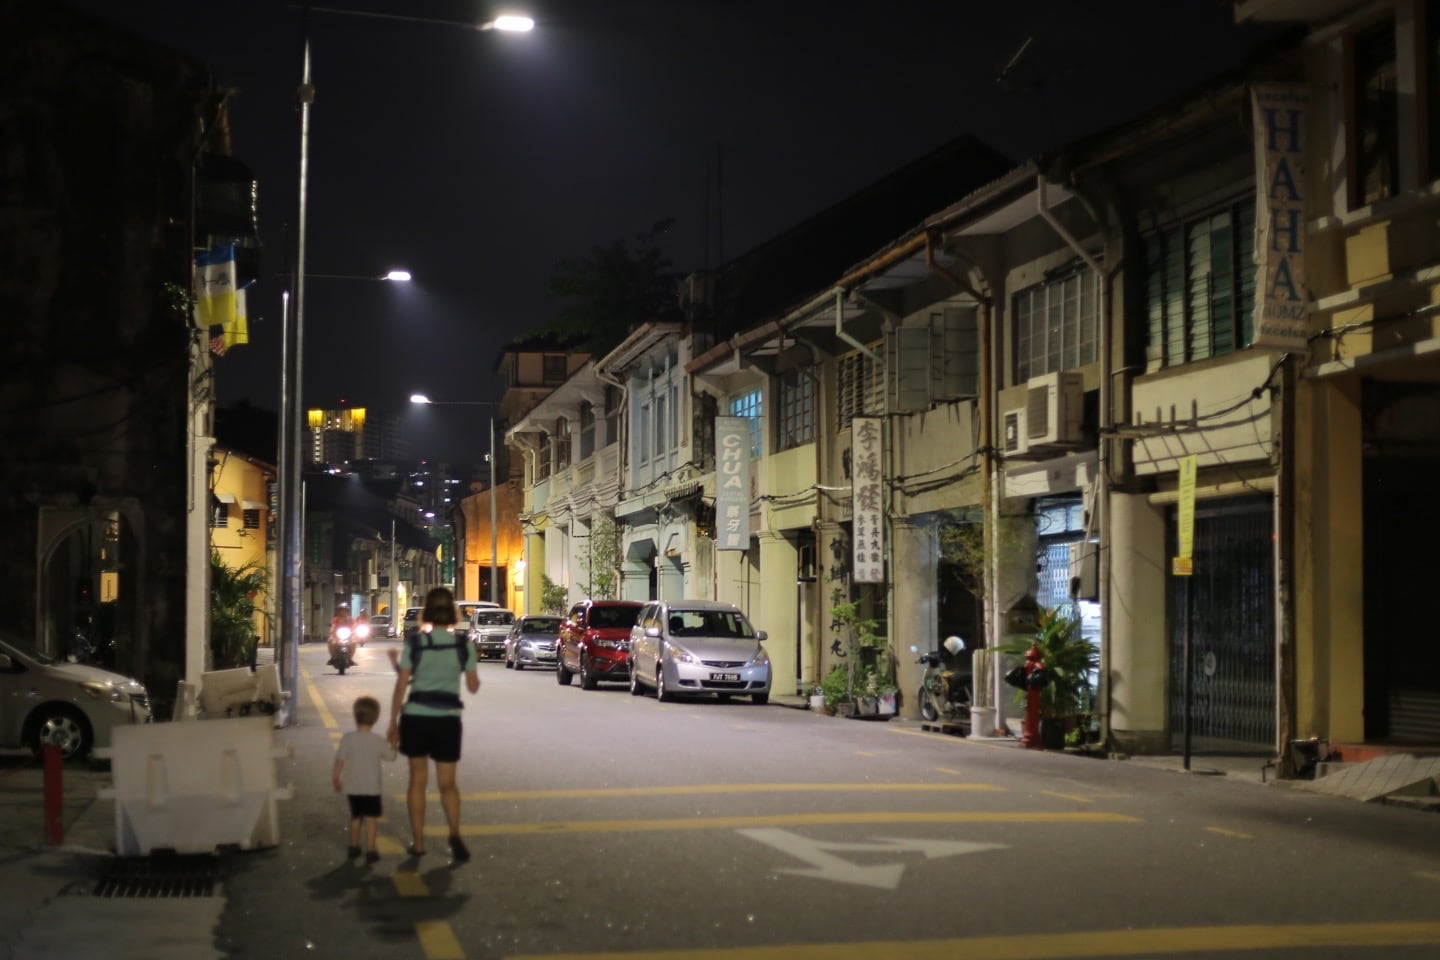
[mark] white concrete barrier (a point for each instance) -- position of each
(194, 787)
(240, 692)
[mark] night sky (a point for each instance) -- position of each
(478, 160)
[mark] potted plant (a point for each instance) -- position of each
(835, 687)
(815, 694)
(1070, 663)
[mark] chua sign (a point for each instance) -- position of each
(732, 483)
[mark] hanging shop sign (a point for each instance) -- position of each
(1282, 303)
(732, 483)
(867, 477)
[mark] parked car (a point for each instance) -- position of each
(489, 626)
(381, 626)
(74, 706)
(531, 641)
(595, 642)
(698, 646)
(411, 622)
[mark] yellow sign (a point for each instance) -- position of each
(109, 586)
(1187, 507)
(1182, 566)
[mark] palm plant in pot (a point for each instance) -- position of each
(1070, 662)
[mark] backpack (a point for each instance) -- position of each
(417, 648)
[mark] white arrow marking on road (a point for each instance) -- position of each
(827, 866)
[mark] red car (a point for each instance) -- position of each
(595, 642)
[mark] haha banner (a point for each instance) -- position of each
(732, 483)
(867, 505)
(1282, 304)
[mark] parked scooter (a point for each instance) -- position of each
(341, 645)
(945, 690)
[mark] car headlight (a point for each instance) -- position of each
(760, 659)
(606, 643)
(100, 690)
(680, 654)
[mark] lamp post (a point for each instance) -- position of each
(291, 521)
(490, 456)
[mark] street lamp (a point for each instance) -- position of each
(490, 456)
(292, 340)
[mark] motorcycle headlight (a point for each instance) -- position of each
(343, 633)
(680, 654)
(362, 631)
(100, 690)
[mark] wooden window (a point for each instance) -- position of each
(1057, 324)
(796, 421)
(1375, 143)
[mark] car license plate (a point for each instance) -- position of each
(725, 676)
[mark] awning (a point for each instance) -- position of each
(224, 497)
(252, 504)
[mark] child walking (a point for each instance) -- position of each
(357, 775)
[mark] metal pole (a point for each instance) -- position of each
(393, 571)
(494, 542)
(291, 527)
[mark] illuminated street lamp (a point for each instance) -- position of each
(490, 456)
(292, 342)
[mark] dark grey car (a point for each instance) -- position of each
(531, 642)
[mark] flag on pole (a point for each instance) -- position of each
(215, 287)
(237, 332)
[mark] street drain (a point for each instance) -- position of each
(160, 877)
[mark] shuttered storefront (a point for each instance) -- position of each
(1233, 629)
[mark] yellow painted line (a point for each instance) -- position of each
(409, 884)
(1236, 834)
(992, 744)
(326, 717)
(438, 940)
(1064, 946)
(777, 820)
(956, 773)
(1067, 796)
(1427, 875)
(389, 846)
(701, 789)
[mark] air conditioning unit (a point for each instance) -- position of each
(1014, 442)
(1053, 406)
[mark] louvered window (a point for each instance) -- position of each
(860, 388)
(796, 421)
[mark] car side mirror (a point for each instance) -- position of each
(652, 631)
(761, 635)
(5, 662)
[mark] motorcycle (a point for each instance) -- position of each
(342, 648)
(945, 690)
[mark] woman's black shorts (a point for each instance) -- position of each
(365, 805)
(435, 737)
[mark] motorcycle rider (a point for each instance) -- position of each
(341, 619)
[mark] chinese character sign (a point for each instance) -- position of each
(867, 508)
(1281, 301)
(732, 483)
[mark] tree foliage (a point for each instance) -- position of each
(232, 612)
(600, 561)
(554, 597)
(612, 290)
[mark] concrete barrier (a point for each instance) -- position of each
(195, 787)
(240, 692)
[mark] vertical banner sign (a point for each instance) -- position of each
(867, 503)
(1281, 300)
(1183, 565)
(732, 483)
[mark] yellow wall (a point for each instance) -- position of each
(245, 480)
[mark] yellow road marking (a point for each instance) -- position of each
(949, 771)
(720, 788)
(1236, 834)
(1064, 946)
(1427, 875)
(409, 884)
(326, 717)
(389, 846)
(1067, 796)
(993, 745)
(438, 940)
(777, 820)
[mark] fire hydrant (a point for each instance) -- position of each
(1034, 681)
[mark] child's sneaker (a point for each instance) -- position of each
(372, 857)
(354, 852)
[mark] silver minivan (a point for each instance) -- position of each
(698, 646)
(72, 705)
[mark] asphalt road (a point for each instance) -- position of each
(605, 825)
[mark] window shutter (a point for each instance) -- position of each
(956, 338)
(908, 362)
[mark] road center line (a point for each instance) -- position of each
(1236, 834)
(724, 788)
(1065, 946)
(438, 940)
(778, 820)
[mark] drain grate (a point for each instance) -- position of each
(160, 877)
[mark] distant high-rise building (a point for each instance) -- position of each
(385, 439)
(336, 436)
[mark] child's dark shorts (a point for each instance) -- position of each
(364, 804)
(435, 737)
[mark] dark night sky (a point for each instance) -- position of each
(478, 160)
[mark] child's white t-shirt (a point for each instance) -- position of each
(362, 751)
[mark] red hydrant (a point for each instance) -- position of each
(1031, 739)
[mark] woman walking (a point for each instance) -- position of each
(425, 714)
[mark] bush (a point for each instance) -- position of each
(836, 685)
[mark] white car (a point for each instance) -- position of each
(74, 706)
(698, 646)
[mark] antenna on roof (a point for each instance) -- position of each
(1003, 78)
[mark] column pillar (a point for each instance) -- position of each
(1139, 646)
(914, 620)
(777, 611)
